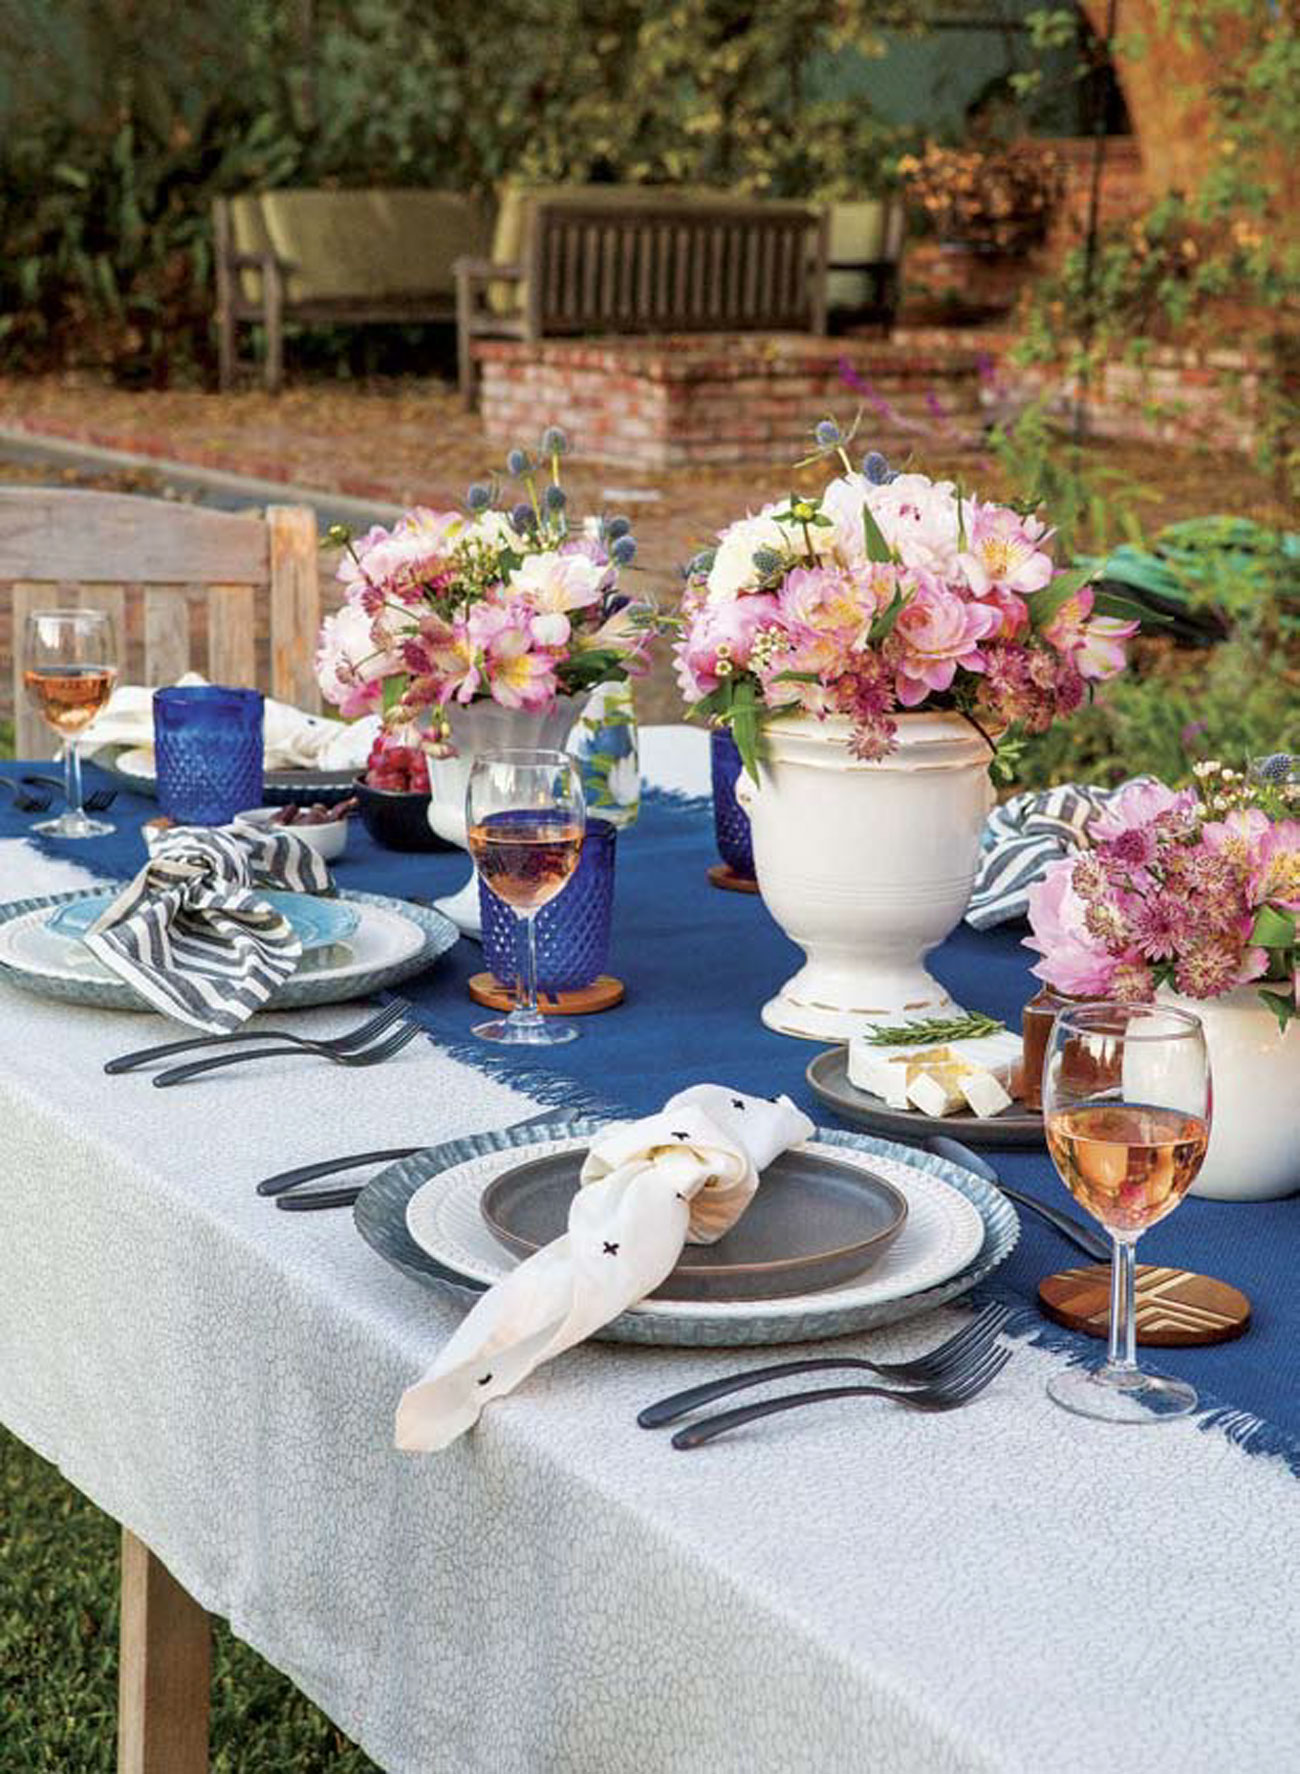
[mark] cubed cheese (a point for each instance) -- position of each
(983, 1091)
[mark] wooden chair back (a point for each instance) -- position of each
(146, 562)
(675, 267)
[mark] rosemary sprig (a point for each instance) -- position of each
(932, 1032)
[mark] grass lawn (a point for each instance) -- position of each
(58, 1650)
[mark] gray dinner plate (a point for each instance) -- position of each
(380, 1218)
(813, 1224)
(828, 1074)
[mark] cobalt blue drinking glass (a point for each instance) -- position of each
(208, 749)
(730, 821)
(572, 931)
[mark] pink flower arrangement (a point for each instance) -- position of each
(890, 592)
(518, 606)
(1169, 896)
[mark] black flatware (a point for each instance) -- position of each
(374, 1055)
(25, 801)
(947, 1362)
(1072, 1230)
(365, 1032)
(99, 800)
(943, 1395)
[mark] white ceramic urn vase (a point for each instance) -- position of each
(1254, 1151)
(866, 866)
(478, 727)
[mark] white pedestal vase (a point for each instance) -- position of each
(1254, 1151)
(478, 727)
(867, 866)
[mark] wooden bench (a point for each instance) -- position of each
(657, 265)
(337, 258)
(66, 548)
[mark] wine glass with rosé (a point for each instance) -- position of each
(69, 660)
(526, 818)
(1126, 1104)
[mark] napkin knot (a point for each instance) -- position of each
(192, 934)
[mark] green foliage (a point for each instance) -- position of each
(131, 115)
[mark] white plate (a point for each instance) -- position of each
(381, 939)
(944, 1232)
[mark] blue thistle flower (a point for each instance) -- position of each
(517, 462)
(523, 518)
(766, 562)
(554, 442)
(554, 498)
(702, 563)
(616, 527)
(876, 469)
(479, 496)
(827, 434)
(624, 551)
(1276, 767)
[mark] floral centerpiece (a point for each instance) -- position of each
(483, 627)
(868, 647)
(1193, 897)
(519, 606)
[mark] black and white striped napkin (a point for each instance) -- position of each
(191, 932)
(1022, 837)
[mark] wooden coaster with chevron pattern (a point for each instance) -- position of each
(602, 994)
(1175, 1307)
(730, 881)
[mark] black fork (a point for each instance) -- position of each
(361, 1036)
(24, 799)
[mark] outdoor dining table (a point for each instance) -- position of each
(853, 1587)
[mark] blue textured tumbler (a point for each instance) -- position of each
(208, 748)
(730, 820)
(572, 931)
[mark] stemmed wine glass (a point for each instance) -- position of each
(1126, 1103)
(69, 669)
(526, 818)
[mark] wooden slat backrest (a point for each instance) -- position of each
(687, 267)
(66, 547)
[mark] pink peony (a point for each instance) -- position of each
(834, 600)
(1074, 961)
(918, 518)
(401, 562)
(937, 632)
(554, 582)
(722, 631)
(1278, 880)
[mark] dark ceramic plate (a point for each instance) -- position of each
(814, 1223)
(828, 1075)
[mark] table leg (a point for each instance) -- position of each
(165, 1667)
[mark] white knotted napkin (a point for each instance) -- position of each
(649, 1187)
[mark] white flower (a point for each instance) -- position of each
(348, 661)
(557, 582)
(733, 571)
(493, 529)
(918, 517)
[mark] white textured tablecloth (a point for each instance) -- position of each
(854, 1588)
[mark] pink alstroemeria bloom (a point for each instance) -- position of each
(456, 662)
(1074, 961)
(1279, 866)
(1065, 629)
(936, 633)
(1004, 549)
(1241, 838)
(401, 561)
(833, 600)
(518, 677)
(1103, 653)
(350, 667)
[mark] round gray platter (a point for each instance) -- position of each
(296, 994)
(380, 1216)
(828, 1077)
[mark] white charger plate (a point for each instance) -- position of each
(944, 1233)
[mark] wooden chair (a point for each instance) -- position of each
(141, 560)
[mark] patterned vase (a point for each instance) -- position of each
(730, 820)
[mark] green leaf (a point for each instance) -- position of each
(883, 626)
(1283, 1007)
(1273, 929)
(1108, 603)
(394, 690)
(1044, 604)
(877, 548)
(745, 725)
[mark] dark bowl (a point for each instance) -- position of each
(397, 821)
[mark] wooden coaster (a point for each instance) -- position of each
(723, 876)
(602, 994)
(1174, 1306)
